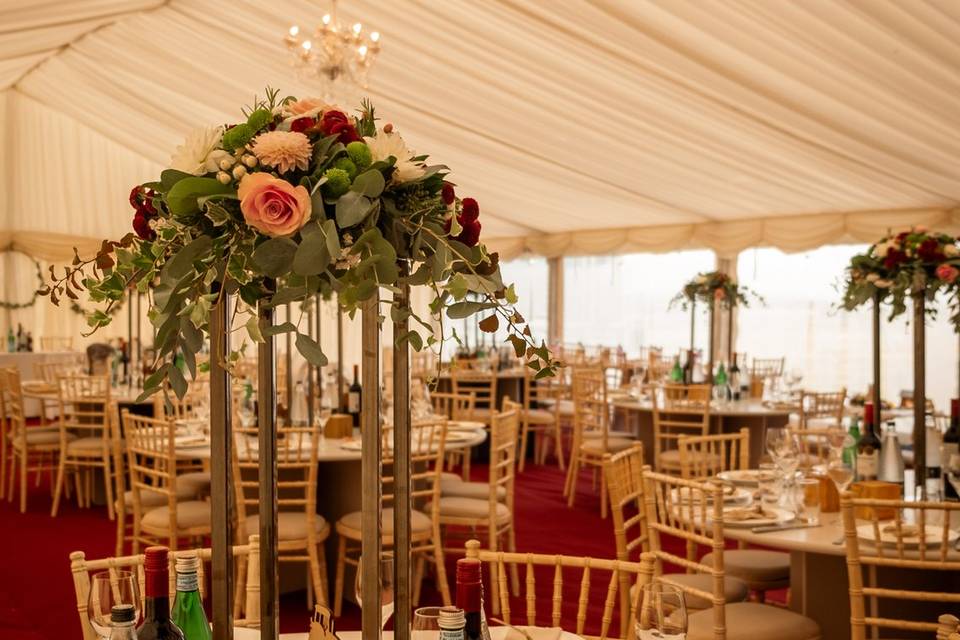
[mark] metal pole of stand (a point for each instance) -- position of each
(139, 369)
(730, 349)
(267, 426)
(221, 486)
(289, 360)
(370, 470)
(875, 398)
(693, 323)
(319, 341)
(310, 312)
(919, 394)
(401, 473)
(709, 376)
(339, 403)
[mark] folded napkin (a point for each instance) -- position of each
(534, 633)
(748, 513)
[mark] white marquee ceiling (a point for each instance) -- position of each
(577, 125)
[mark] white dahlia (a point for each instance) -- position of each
(192, 156)
(384, 145)
(283, 150)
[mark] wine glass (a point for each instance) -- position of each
(426, 623)
(663, 613)
(105, 593)
(841, 473)
(386, 586)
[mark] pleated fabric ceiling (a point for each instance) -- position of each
(581, 127)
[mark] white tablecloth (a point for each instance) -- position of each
(26, 363)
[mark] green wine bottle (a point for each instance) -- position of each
(188, 611)
(676, 374)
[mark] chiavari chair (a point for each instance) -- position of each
(625, 481)
(592, 437)
(493, 512)
(163, 509)
(766, 368)
(483, 384)
(693, 512)
(44, 390)
(948, 627)
(683, 410)
(85, 409)
(428, 440)
(24, 448)
(586, 571)
(455, 406)
(815, 445)
(703, 457)
(83, 570)
(301, 531)
(541, 417)
(56, 343)
(885, 542)
(822, 410)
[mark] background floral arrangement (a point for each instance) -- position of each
(901, 264)
(714, 286)
(298, 199)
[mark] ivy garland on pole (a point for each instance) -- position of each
(33, 299)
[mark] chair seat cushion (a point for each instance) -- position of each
(199, 480)
(291, 525)
(350, 523)
(152, 499)
(191, 514)
(671, 458)
(478, 509)
(593, 443)
(35, 436)
(480, 414)
(754, 621)
(540, 416)
(760, 569)
(456, 486)
(91, 445)
(734, 589)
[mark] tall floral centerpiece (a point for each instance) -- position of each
(298, 199)
(915, 264)
(712, 288)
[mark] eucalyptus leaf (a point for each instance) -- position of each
(183, 197)
(465, 309)
(277, 329)
(177, 382)
(182, 263)
(369, 183)
(310, 350)
(312, 255)
(352, 208)
(275, 256)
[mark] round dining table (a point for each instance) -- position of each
(818, 575)
(496, 633)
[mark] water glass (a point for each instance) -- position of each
(426, 623)
(105, 593)
(663, 613)
(768, 483)
(808, 490)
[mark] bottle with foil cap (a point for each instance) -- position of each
(157, 624)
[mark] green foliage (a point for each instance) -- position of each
(237, 136)
(359, 152)
(337, 183)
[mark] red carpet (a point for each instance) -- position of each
(36, 590)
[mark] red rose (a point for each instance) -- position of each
(134, 196)
(470, 210)
(448, 194)
(929, 250)
(470, 235)
(302, 124)
(337, 122)
(141, 224)
(894, 257)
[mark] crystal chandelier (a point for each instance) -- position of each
(334, 52)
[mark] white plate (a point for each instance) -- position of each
(934, 535)
(738, 497)
(741, 477)
(781, 516)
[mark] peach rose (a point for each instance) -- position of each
(305, 106)
(273, 206)
(948, 273)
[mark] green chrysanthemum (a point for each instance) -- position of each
(259, 119)
(347, 165)
(237, 136)
(337, 184)
(359, 152)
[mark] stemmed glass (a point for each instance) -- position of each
(841, 473)
(386, 586)
(426, 623)
(784, 448)
(106, 593)
(663, 613)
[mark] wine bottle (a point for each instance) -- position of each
(850, 451)
(735, 379)
(353, 397)
(123, 617)
(470, 599)
(720, 381)
(19, 337)
(676, 373)
(951, 446)
(932, 460)
(187, 610)
(688, 368)
(157, 624)
(868, 449)
(11, 341)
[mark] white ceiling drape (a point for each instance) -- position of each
(580, 126)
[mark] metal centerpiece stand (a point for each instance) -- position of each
(371, 469)
(919, 389)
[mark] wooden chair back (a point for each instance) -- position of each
(423, 364)
(682, 410)
(703, 457)
(454, 406)
(767, 367)
(591, 413)
(50, 371)
(693, 512)
(427, 446)
(882, 541)
(83, 571)
(483, 384)
(587, 571)
(56, 343)
(815, 445)
(11, 405)
(504, 430)
(85, 406)
(822, 406)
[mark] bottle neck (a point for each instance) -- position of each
(187, 582)
(156, 608)
(122, 631)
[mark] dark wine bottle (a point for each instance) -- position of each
(470, 599)
(157, 624)
(868, 449)
(353, 397)
(688, 368)
(951, 447)
(735, 379)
